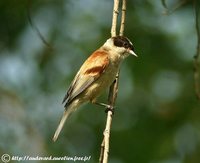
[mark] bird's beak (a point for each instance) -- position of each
(132, 52)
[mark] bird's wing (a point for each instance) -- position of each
(90, 71)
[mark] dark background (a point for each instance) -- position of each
(157, 117)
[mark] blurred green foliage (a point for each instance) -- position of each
(157, 118)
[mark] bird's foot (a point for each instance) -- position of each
(108, 107)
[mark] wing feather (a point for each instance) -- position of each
(89, 72)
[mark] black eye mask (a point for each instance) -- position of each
(121, 41)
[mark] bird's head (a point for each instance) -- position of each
(122, 45)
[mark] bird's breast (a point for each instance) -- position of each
(102, 83)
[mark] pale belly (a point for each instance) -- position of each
(100, 85)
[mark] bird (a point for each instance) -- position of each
(95, 75)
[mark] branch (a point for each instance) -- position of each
(123, 18)
(176, 7)
(114, 87)
(34, 27)
(197, 55)
(114, 19)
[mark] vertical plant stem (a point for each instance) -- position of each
(114, 19)
(114, 87)
(123, 18)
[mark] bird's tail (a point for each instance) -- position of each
(66, 114)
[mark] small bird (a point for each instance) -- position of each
(95, 75)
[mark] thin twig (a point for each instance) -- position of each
(176, 7)
(34, 27)
(105, 143)
(102, 151)
(123, 18)
(164, 4)
(111, 100)
(114, 87)
(114, 19)
(197, 55)
(107, 137)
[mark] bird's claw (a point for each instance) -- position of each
(109, 108)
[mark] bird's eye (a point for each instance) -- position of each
(125, 45)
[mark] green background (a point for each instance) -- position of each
(157, 116)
